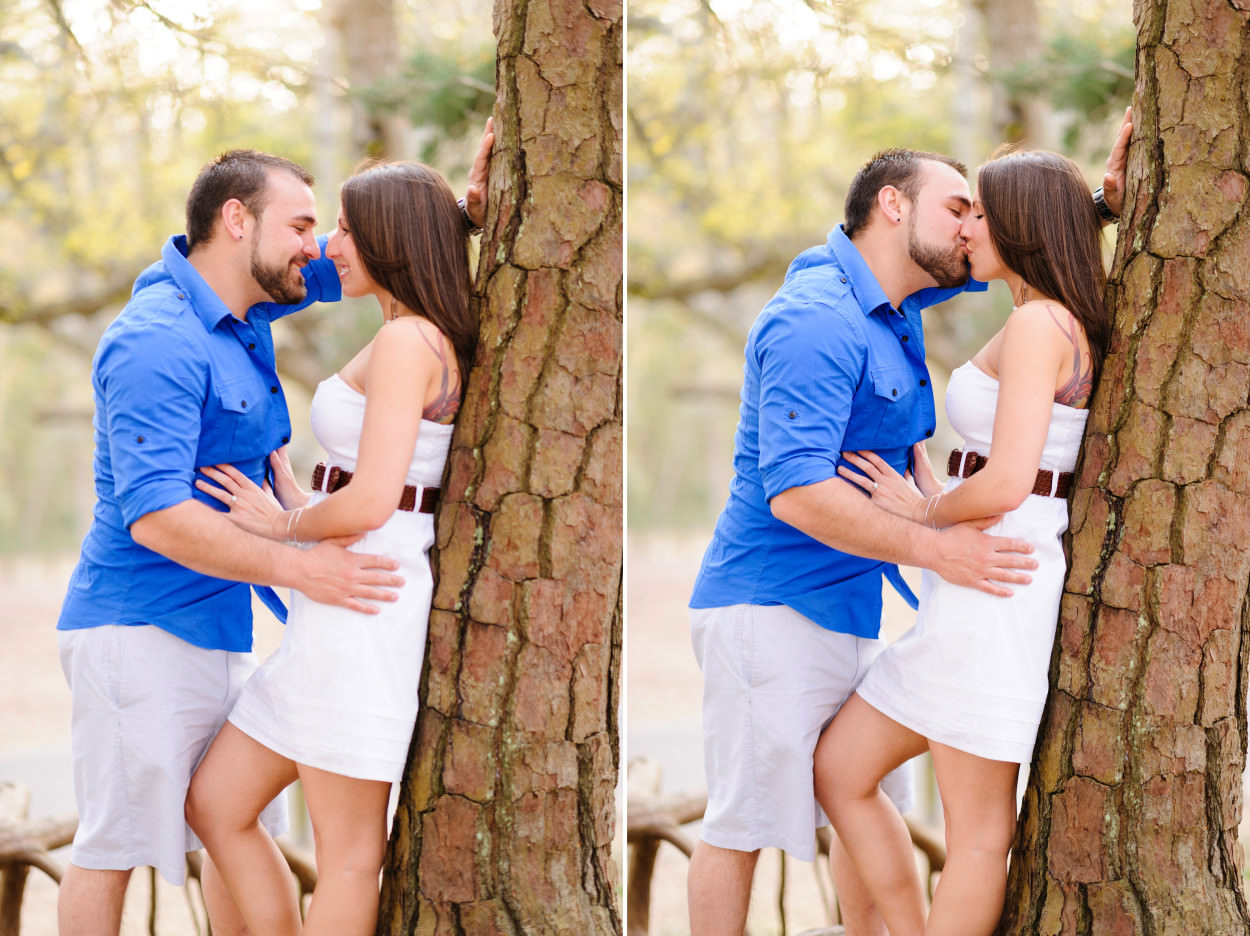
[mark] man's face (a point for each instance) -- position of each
(284, 238)
(933, 240)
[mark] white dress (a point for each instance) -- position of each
(973, 671)
(340, 693)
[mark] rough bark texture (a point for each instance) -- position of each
(1129, 823)
(506, 817)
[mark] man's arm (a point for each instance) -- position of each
(836, 514)
(204, 540)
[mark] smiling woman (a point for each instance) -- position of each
(335, 705)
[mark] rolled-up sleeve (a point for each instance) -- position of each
(153, 403)
(810, 361)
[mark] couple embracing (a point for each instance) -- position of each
(196, 498)
(806, 713)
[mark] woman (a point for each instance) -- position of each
(335, 704)
(969, 681)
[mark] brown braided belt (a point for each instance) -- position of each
(332, 478)
(966, 466)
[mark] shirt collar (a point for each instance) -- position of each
(206, 304)
(869, 292)
(864, 285)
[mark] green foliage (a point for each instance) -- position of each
(106, 116)
(449, 88)
(1087, 73)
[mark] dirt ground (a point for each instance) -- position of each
(35, 742)
(34, 738)
(663, 725)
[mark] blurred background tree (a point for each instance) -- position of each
(108, 108)
(747, 121)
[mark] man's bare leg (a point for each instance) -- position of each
(859, 913)
(718, 890)
(90, 902)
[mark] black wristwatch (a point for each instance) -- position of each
(1100, 204)
(470, 228)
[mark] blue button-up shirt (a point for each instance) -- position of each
(179, 383)
(830, 367)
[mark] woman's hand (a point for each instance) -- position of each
(475, 194)
(285, 487)
(1117, 162)
(922, 471)
(251, 508)
(888, 489)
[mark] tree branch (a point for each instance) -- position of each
(114, 291)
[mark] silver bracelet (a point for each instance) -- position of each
(292, 527)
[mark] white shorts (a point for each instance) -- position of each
(146, 704)
(772, 681)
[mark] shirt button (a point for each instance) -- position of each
(904, 339)
(243, 404)
(929, 434)
(286, 439)
(273, 389)
(251, 346)
(894, 392)
(842, 278)
(138, 438)
(924, 383)
(792, 414)
(181, 296)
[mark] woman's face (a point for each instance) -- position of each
(342, 250)
(983, 259)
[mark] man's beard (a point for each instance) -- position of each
(279, 282)
(948, 267)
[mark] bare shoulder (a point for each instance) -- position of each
(1049, 334)
(1045, 320)
(411, 331)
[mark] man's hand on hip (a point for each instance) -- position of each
(332, 575)
(968, 557)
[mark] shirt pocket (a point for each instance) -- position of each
(235, 420)
(889, 410)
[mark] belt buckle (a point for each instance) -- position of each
(332, 479)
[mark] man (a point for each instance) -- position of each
(156, 629)
(786, 608)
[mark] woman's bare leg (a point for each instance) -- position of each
(236, 780)
(979, 800)
(856, 751)
(349, 824)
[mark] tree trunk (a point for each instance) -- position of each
(506, 815)
(1129, 823)
(366, 37)
(1013, 41)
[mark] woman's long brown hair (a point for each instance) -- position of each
(410, 236)
(1044, 226)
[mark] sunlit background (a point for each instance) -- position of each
(107, 111)
(746, 121)
(108, 108)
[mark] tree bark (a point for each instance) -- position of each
(1129, 823)
(506, 815)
